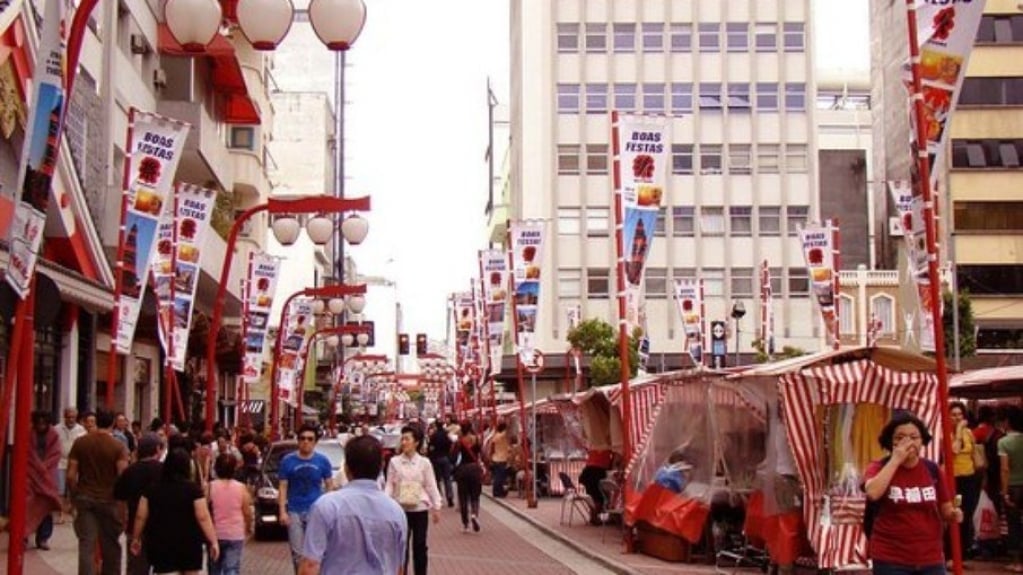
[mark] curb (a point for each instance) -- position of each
(611, 564)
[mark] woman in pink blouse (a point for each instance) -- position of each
(411, 482)
(232, 515)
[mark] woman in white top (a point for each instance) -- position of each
(410, 481)
(232, 515)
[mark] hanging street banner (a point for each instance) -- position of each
(39, 151)
(527, 240)
(155, 145)
(176, 266)
(689, 299)
(9, 10)
(299, 326)
(495, 295)
(641, 144)
(766, 309)
(260, 286)
(819, 255)
(910, 210)
(946, 32)
(463, 303)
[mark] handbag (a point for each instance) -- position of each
(410, 494)
(979, 457)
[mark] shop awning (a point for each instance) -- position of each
(227, 77)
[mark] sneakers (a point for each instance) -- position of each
(44, 545)
(475, 524)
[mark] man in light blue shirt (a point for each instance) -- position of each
(357, 530)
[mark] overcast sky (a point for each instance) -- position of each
(417, 132)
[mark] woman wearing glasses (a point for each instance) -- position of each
(909, 503)
(304, 475)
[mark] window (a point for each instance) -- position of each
(597, 221)
(796, 216)
(1000, 29)
(710, 96)
(568, 98)
(846, 315)
(713, 282)
(596, 98)
(991, 279)
(624, 37)
(596, 159)
(710, 36)
(766, 36)
(710, 159)
(660, 223)
(992, 91)
(598, 282)
(739, 160)
(568, 221)
(625, 97)
(681, 98)
(653, 37)
(243, 138)
(570, 282)
(596, 37)
(770, 220)
(681, 158)
(656, 283)
(683, 221)
(684, 274)
(796, 158)
(653, 98)
(776, 281)
(738, 97)
(568, 159)
(991, 154)
(767, 158)
(795, 97)
(798, 282)
(712, 221)
(737, 36)
(681, 37)
(794, 37)
(882, 307)
(989, 216)
(767, 97)
(742, 282)
(568, 38)
(741, 220)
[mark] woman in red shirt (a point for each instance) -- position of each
(913, 503)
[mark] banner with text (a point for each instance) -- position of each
(176, 267)
(299, 327)
(495, 293)
(819, 255)
(155, 148)
(527, 240)
(463, 325)
(9, 10)
(910, 210)
(766, 309)
(642, 146)
(260, 286)
(39, 150)
(689, 299)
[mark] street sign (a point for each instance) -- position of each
(535, 366)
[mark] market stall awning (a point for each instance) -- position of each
(227, 77)
(891, 358)
(988, 383)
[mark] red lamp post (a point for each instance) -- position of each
(303, 205)
(361, 331)
(435, 368)
(334, 293)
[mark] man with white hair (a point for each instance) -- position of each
(69, 430)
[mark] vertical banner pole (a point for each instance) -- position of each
(623, 335)
(527, 444)
(836, 260)
(22, 439)
(19, 338)
(119, 268)
(924, 181)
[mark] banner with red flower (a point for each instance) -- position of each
(299, 327)
(176, 266)
(494, 264)
(260, 285)
(463, 311)
(766, 308)
(155, 146)
(527, 239)
(819, 254)
(910, 210)
(689, 299)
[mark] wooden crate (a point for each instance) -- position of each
(662, 545)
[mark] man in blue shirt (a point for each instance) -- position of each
(358, 530)
(304, 475)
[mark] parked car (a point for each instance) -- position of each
(267, 520)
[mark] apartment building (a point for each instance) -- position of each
(737, 80)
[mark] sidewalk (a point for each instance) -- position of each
(61, 558)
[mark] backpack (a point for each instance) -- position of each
(870, 512)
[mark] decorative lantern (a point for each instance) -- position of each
(336, 305)
(356, 303)
(286, 229)
(347, 339)
(193, 23)
(362, 338)
(337, 23)
(265, 22)
(355, 228)
(319, 229)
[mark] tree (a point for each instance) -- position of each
(786, 352)
(967, 330)
(599, 340)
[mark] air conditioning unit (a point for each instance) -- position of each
(895, 227)
(159, 78)
(139, 44)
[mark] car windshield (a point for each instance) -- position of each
(334, 452)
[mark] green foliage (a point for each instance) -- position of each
(223, 214)
(786, 352)
(967, 329)
(599, 340)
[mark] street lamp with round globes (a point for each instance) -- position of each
(738, 311)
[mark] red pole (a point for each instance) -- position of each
(924, 181)
(18, 337)
(274, 367)
(520, 376)
(623, 332)
(703, 324)
(22, 439)
(168, 390)
(836, 260)
(115, 317)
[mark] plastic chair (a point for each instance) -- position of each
(574, 500)
(614, 504)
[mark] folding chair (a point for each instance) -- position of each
(574, 500)
(614, 504)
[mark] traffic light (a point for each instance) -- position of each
(420, 344)
(402, 344)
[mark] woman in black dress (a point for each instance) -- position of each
(468, 475)
(174, 518)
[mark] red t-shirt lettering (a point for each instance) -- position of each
(908, 528)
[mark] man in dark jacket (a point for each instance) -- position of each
(440, 456)
(132, 484)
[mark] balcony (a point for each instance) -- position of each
(205, 156)
(250, 181)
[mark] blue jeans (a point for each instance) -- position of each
(230, 560)
(893, 569)
(296, 535)
(45, 529)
